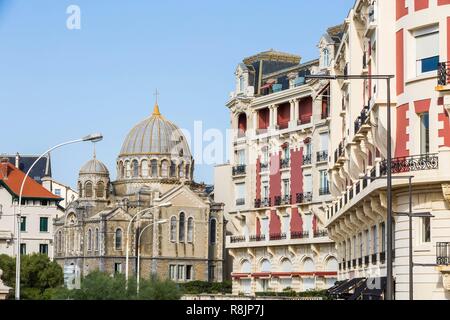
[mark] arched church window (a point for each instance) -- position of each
(88, 190)
(173, 170)
(181, 226)
(128, 169)
(154, 164)
(80, 191)
(212, 231)
(164, 168)
(96, 245)
(100, 189)
(118, 239)
(89, 240)
(173, 229)
(190, 230)
(135, 168)
(144, 168)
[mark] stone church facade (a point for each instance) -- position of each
(183, 240)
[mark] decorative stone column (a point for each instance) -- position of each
(4, 290)
(293, 119)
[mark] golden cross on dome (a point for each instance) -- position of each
(156, 108)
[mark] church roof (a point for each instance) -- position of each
(94, 166)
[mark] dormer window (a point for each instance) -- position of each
(241, 84)
(326, 58)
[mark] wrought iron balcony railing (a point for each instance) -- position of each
(366, 260)
(322, 156)
(306, 159)
(240, 202)
(284, 163)
(277, 200)
(266, 202)
(412, 163)
(443, 253)
(362, 118)
(299, 234)
(286, 199)
(237, 239)
(339, 152)
(239, 170)
(324, 191)
(444, 73)
(277, 236)
(360, 262)
(304, 197)
(257, 203)
(320, 233)
(257, 237)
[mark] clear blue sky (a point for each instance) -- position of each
(58, 84)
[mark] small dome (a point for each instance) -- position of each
(155, 136)
(94, 166)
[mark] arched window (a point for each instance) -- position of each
(118, 239)
(59, 241)
(121, 169)
(164, 168)
(212, 231)
(308, 265)
(89, 240)
(242, 125)
(80, 191)
(190, 230)
(331, 264)
(154, 164)
(173, 229)
(96, 239)
(127, 169)
(173, 170)
(181, 226)
(135, 168)
(246, 266)
(265, 265)
(286, 265)
(144, 168)
(100, 189)
(181, 170)
(88, 190)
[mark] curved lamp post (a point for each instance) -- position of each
(139, 249)
(127, 257)
(95, 137)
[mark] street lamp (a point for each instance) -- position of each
(139, 249)
(162, 205)
(95, 137)
(389, 273)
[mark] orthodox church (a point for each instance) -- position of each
(154, 206)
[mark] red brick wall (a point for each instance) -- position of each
(420, 4)
(421, 106)
(443, 2)
(275, 176)
(402, 135)
(448, 36)
(274, 223)
(284, 114)
(296, 221)
(296, 173)
(401, 9)
(400, 61)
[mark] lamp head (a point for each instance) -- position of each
(94, 137)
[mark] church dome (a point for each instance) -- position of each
(155, 136)
(94, 166)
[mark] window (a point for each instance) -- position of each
(135, 168)
(424, 133)
(89, 240)
(324, 138)
(43, 248)
(96, 239)
(375, 239)
(265, 190)
(308, 149)
(164, 168)
(240, 154)
(44, 203)
(100, 189)
(121, 169)
(286, 153)
(154, 164)
(173, 229)
(181, 170)
(212, 231)
(88, 189)
(240, 193)
(326, 57)
(118, 239)
(266, 155)
(23, 224)
(367, 242)
(181, 227)
(59, 241)
(117, 267)
(307, 187)
(426, 229)
(286, 187)
(23, 249)
(241, 84)
(190, 230)
(189, 272)
(58, 192)
(144, 168)
(180, 272)
(80, 191)
(43, 224)
(324, 183)
(427, 50)
(355, 248)
(128, 168)
(361, 245)
(173, 170)
(173, 272)
(308, 223)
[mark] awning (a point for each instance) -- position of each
(267, 85)
(347, 286)
(375, 293)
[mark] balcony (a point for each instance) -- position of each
(239, 170)
(284, 163)
(257, 203)
(266, 202)
(339, 152)
(258, 237)
(277, 200)
(286, 199)
(307, 159)
(362, 118)
(443, 253)
(411, 163)
(237, 239)
(240, 202)
(277, 236)
(443, 75)
(304, 197)
(320, 233)
(323, 191)
(322, 156)
(299, 234)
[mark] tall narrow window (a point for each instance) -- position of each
(43, 224)
(89, 240)
(96, 239)
(43, 248)
(424, 133)
(326, 57)
(88, 190)
(181, 227)
(286, 187)
(135, 168)
(181, 170)
(100, 189)
(361, 254)
(375, 239)
(144, 168)
(190, 230)
(212, 231)
(188, 171)
(59, 241)
(240, 157)
(23, 224)
(154, 164)
(426, 229)
(427, 50)
(383, 237)
(367, 242)
(307, 183)
(118, 239)
(173, 229)
(324, 183)
(173, 169)
(164, 168)
(128, 169)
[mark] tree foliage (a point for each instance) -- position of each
(199, 287)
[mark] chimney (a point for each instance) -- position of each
(4, 168)
(17, 160)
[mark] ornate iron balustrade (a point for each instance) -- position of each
(277, 236)
(277, 200)
(306, 159)
(304, 197)
(240, 202)
(257, 237)
(444, 73)
(324, 191)
(443, 253)
(257, 203)
(322, 156)
(287, 199)
(239, 170)
(339, 152)
(299, 234)
(362, 118)
(320, 233)
(284, 163)
(412, 163)
(266, 202)
(237, 239)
